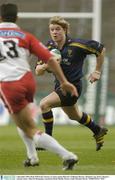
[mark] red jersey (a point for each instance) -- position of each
(16, 47)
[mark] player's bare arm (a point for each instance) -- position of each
(95, 76)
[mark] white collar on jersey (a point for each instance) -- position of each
(8, 25)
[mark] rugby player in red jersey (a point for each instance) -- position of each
(17, 84)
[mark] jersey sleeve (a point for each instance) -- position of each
(93, 47)
(38, 49)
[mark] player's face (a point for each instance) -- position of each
(57, 33)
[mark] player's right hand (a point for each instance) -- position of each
(68, 87)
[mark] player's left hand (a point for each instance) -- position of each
(68, 87)
(95, 76)
(40, 69)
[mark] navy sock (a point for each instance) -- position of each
(88, 122)
(48, 122)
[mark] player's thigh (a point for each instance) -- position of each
(73, 112)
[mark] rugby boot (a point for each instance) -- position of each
(99, 138)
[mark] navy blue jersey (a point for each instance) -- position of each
(73, 55)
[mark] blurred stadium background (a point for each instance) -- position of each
(99, 99)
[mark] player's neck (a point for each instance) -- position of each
(61, 43)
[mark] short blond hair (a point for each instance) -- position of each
(60, 21)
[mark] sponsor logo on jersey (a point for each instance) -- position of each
(10, 33)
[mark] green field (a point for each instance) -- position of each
(76, 138)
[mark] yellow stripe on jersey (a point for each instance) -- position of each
(47, 120)
(85, 47)
(88, 120)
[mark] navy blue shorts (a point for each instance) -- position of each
(69, 100)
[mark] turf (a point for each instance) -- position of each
(75, 138)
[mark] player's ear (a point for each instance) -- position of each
(65, 30)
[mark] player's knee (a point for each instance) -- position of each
(44, 105)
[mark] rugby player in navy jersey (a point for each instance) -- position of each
(73, 53)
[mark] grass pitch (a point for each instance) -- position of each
(77, 139)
